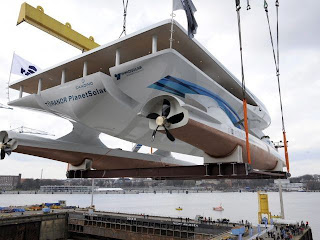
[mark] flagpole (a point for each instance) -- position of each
(8, 95)
(171, 30)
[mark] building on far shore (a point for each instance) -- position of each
(55, 188)
(291, 187)
(9, 182)
(294, 187)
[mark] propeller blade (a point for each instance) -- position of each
(3, 154)
(176, 118)
(3, 137)
(154, 133)
(169, 135)
(13, 144)
(165, 108)
(8, 151)
(153, 115)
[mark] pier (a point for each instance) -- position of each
(130, 226)
(84, 224)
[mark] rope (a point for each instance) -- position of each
(277, 10)
(271, 38)
(276, 58)
(238, 7)
(248, 5)
(125, 7)
(278, 65)
(245, 111)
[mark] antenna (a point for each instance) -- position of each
(8, 93)
(5, 107)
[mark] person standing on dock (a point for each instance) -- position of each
(266, 224)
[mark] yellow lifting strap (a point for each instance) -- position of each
(64, 32)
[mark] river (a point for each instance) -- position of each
(238, 206)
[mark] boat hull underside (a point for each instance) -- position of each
(219, 144)
(193, 133)
(99, 162)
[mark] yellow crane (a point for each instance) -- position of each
(64, 32)
(264, 207)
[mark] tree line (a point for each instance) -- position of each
(312, 182)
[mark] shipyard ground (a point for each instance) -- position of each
(80, 224)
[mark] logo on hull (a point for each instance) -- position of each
(72, 98)
(84, 84)
(128, 72)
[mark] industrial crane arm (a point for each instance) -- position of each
(64, 32)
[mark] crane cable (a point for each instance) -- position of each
(245, 110)
(276, 61)
(125, 7)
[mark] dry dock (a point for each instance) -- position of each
(79, 224)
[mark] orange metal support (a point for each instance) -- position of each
(286, 151)
(245, 113)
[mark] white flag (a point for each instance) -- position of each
(22, 67)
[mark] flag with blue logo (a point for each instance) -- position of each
(22, 67)
(190, 9)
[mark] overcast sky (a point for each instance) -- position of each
(217, 31)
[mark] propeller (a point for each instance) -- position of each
(163, 120)
(7, 145)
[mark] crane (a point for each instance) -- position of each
(64, 32)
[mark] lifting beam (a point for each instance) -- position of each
(64, 32)
(207, 171)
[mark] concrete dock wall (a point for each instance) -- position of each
(307, 235)
(53, 229)
(22, 231)
(51, 226)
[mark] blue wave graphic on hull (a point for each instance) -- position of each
(180, 87)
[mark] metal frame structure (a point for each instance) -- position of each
(208, 171)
